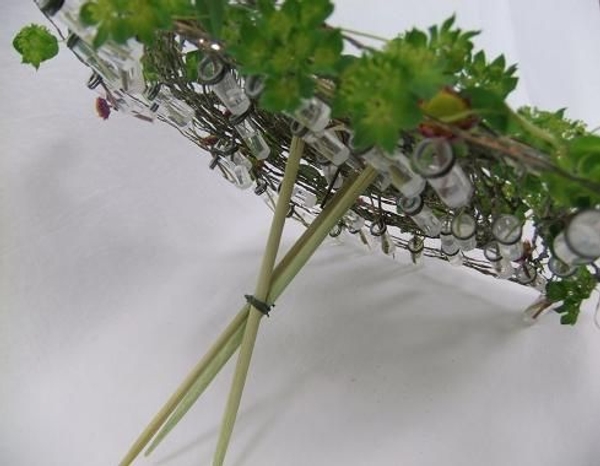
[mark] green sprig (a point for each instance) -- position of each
(36, 44)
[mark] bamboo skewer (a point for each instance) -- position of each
(283, 274)
(261, 294)
(200, 385)
(174, 400)
(288, 268)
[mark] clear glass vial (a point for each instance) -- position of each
(453, 254)
(354, 222)
(374, 157)
(312, 113)
(379, 230)
(175, 110)
(254, 86)
(325, 142)
(415, 246)
(409, 183)
(560, 269)
(126, 59)
(528, 275)
(502, 266)
(507, 230)
(579, 243)
(329, 172)
(464, 230)
(434, 160)
(86, 53)
(422, 215)
(251, 135)
(303, 197)
(214, 73)
(448, 241)
(66, 12)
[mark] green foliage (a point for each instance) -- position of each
(120, 20)
(494, 77)
(572, 292)
(211, 14)
(452, 44)
(416, 81)
(382, 91)
(36, 44)
(570, 147)
(288, 45)
(192, 59)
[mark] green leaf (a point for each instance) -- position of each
(36, 44)
(570, 318)
(101, 36)
(211, 14)
(86, 14)
(584, 146)
(192, 59)
(285, 93)
(446, 25)
(556, 291)
(217, 12)
(490, 106)
(327, 54)
(314, 12)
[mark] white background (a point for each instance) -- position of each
(122, 257)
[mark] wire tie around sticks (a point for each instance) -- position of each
(261, 306)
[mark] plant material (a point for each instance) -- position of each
(36, 44)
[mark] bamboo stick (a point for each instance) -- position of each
(201, 383)
(162, 415)
(304, 248)
(261, 294)
(282, 276)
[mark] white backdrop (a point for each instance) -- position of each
(122, 257)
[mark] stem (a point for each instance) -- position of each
(364, 34)
(261, 294)
(185, 386)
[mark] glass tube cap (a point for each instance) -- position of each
(560, 268)
(464, 226)
(507, 229)
(211, 70)
(254, 86)
(583, 234)
(433, 158)
(409, 205)
(491, 251)
(50, 7)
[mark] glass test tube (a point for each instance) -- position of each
(579, 243)
(507, 230)
(434, 160)
(528, 275)
(251, 135)
(325, 142)
(416, 245)
(502, 266)
(409, 183)
(214, 73)
(422, 215)
(464, 229)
